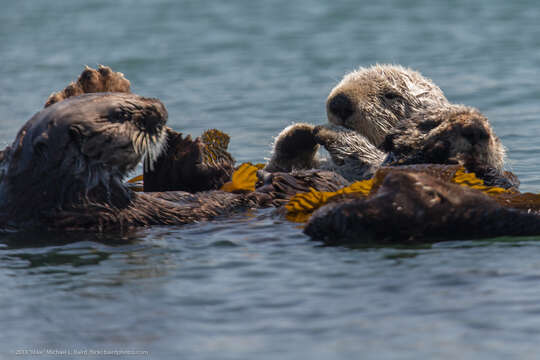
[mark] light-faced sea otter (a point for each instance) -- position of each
(391, 115)
(373, 100)
(361, 109)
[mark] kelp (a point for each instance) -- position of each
(243, 179)
(301, 206)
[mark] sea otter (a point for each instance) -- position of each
(452, 134)
(69, 160)
(65, 169)
(373, 100)
(361, 112)
(415, 207)
(186, 164)
(362, 109)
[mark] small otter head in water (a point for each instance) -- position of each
(80, 148)
(453, 134)
(373, 100)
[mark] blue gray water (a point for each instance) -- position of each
(254, 286)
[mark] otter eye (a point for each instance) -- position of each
(118, 115)
(391, 95)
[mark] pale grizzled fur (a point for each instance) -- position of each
(351, 155)
(352, 142)
(454, 133)
(381, 96)
(417, 121)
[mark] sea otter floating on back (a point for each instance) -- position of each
(391, 115)
(69, 160)
(66, 166)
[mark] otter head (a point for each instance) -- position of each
(373, 100)
(454, 134)
(79, 150)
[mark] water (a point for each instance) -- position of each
(254, 286)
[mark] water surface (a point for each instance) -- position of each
(254, 286)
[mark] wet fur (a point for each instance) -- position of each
(92, 81)
(183, 166)
(381, 96)
(416, 207)
(76, 152)
(453, 134)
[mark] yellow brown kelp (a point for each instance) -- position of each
(243, 179)
(302, 205)
(464, 178)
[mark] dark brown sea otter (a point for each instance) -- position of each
(65, 169)
(455, 134)
(412, 207)
(186, 164)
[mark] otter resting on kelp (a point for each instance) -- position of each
(361, 109)
(65, 170)
(413, 207)
(66, 167)
(390, 115)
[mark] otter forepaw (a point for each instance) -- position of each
(294, 148)
(104, 79)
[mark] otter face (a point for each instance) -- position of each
(86, 141)
(373, 100)
(456, 134)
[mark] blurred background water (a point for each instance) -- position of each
(254, 286)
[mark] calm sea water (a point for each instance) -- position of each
(254, 286)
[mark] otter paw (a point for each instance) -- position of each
(294, 148)
(295, 138)
(92, 81)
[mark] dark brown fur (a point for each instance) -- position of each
(450, 135)
(281, 186)
(415, 207)
(182, 166)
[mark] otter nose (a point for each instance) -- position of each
(475, 133)
(341, 106)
